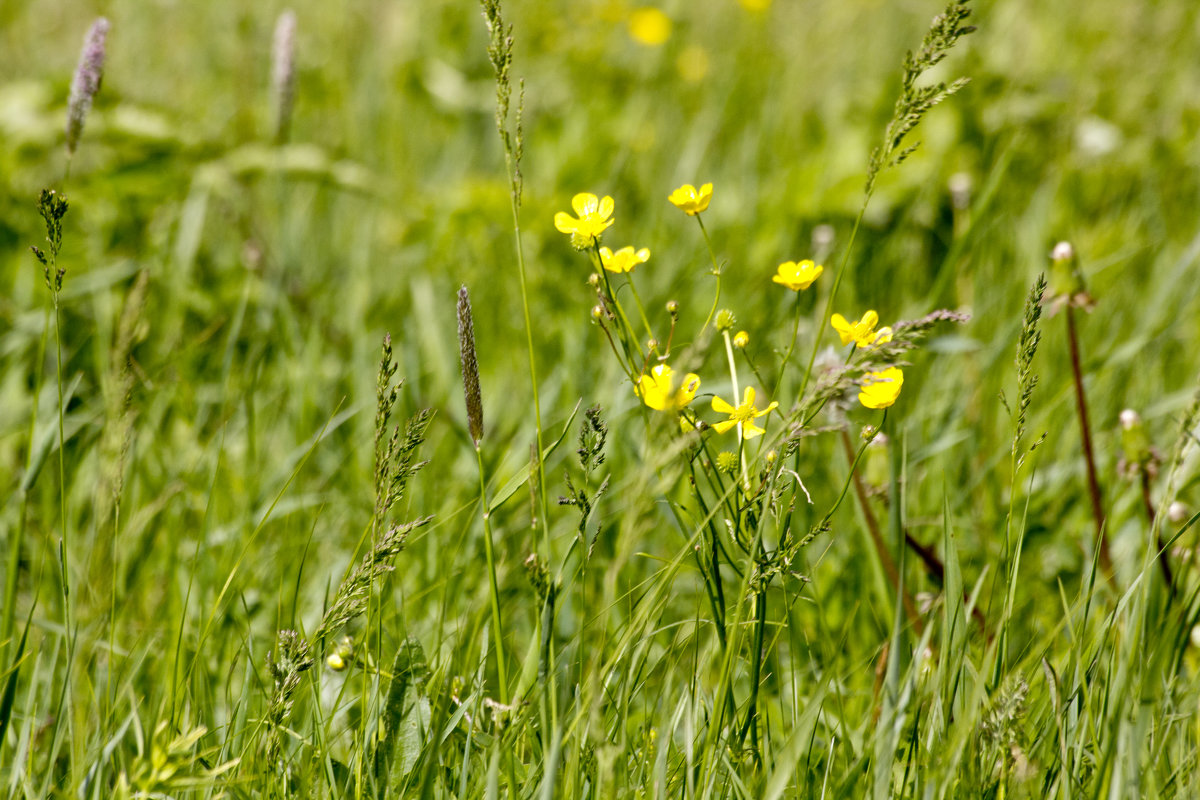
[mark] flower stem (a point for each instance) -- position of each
(716, 272)
(791, 345)
(641, 308)
(837, 281)
(1086, 435)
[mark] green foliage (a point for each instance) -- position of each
(259, 568)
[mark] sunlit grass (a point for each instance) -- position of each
(229, 572)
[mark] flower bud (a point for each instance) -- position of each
(652, 345)
(594, 280)
(597, 313)
(727, 462)
(342, 655)
(673, 308)
(741, 339)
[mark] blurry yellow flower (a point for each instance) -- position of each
(649, 26)
(692, 63)
(741, 339)
(658, 389)
(624, 260)
(755, 5)
(882, 336)
(688, 199)
(861, 332)
(798, 276)
(594, 215)
(743, 415)
(880, 389)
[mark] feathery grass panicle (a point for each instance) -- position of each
(52, 207)
(393, 456)
(470, 367)
(350, 600)
(906, 336)
(500, 53)
(283, 73)
(88, 75)
(1027, 345)
(915, 101)
(286, 663)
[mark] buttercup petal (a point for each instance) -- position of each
(565, 223)
(584, 203)
(722, 407)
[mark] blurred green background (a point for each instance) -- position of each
(273, 273)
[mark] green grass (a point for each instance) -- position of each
(220, 482)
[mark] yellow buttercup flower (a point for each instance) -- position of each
(659, 390)
(742, 415)
(691, 200)
(624, 260)
(594, 218)
(741, 339)
(861, 331)
(649, 26)
(798, 276)
(880, 389)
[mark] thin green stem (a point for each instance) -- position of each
(64, 543)
(16, 540)
(791, 345)
(716, 272)
(498, 628)
(641, 308)
(837, 281)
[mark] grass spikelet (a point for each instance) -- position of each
(915, 101)
(283, 73)
(470, 367)
(394, 463)
(285, 664)
(352, 594)
(1027, 346)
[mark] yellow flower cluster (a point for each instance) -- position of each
(658, 388)
(862, 331)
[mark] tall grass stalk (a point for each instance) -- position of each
(500, 52)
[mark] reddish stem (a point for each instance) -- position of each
(1089, 455)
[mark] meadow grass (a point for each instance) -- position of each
(287, 517)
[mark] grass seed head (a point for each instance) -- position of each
(86, 83)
